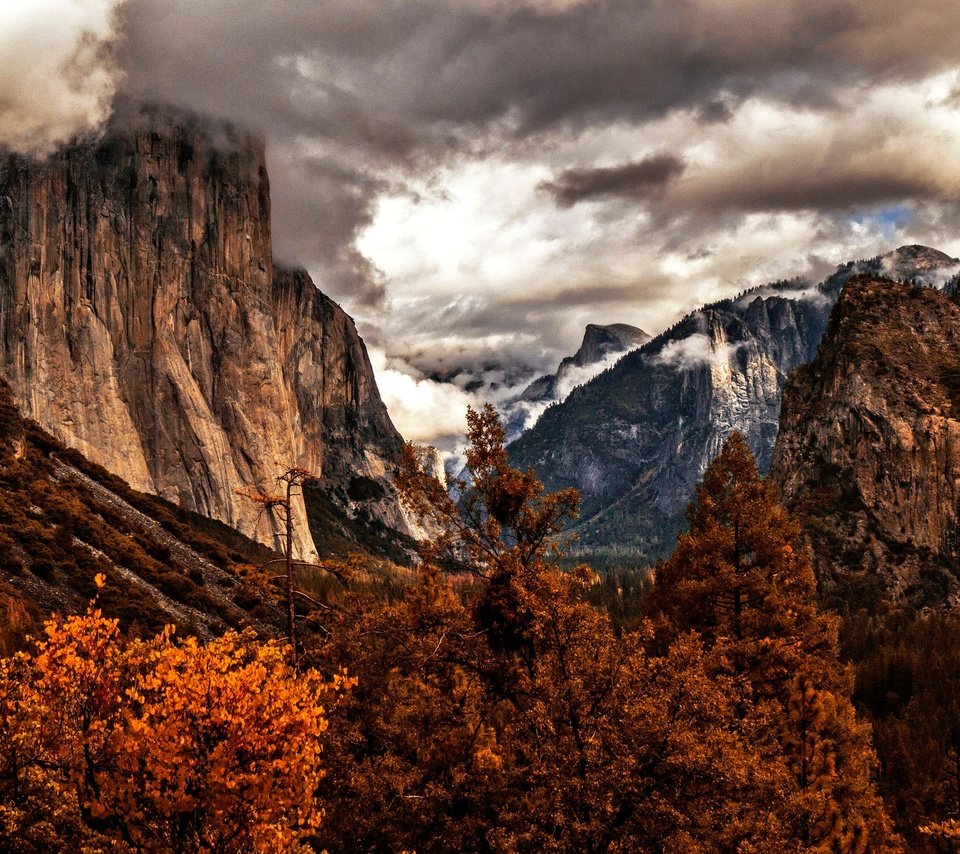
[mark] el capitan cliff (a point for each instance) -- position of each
(144, 322)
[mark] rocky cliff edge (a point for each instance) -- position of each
(143, 322)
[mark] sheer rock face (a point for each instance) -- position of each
(636, 439)
(868, 454)
(142, 321)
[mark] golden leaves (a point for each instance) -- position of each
(160, 744)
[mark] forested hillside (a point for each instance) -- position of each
(63, 520)
(492, 709)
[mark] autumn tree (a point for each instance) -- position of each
(159, 745)
(742, 579)
(947, 832)
(497, 710)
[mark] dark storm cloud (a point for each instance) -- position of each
(374, 86)
(630, 180)
(323, 204)
(823, 192)
(386, 74)
(716, 111)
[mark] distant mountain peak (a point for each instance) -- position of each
(918, 251)
(599, 343)
(636, 438)
(914, 257)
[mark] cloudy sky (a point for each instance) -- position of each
(475, 180)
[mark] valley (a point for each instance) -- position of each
(765, 493)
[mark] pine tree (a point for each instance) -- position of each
(513, 717)
(742, 579)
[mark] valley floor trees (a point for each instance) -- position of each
(492, 707)
(507, 714)
(742, 579)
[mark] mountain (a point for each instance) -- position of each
(64, 519)
(599, 344)
(636, 438)
(144, 322)
(868, 454)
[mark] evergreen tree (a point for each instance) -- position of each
(512, 717)
(742, 579)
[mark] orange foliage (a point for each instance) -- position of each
(159, 745)
(518, 720)
(948, 831)
(742, 578)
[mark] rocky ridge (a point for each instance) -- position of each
(144, 322)
(636, 439)
(64, 519)
(599, 344)
(868, 453)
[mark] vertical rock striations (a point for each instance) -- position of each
(868, 455)
(143, 322)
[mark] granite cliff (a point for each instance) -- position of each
(144, 322)
(868, 454)
(636, 439)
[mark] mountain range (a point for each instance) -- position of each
(636, 439)
(145, 325)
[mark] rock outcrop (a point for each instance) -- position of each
(143, 322)
(636, 439)
(598, 345)
(868, 453)
(433, 464)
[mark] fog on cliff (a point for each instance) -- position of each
(58, 74)
(475, 180)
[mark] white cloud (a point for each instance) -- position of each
(422, 409)
(57, 74)
(573, 375)
(479, 233)
(803, 292)
(694, 351)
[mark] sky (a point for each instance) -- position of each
(476, 180)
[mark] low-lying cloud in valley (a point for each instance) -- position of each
(475, 180)
(692, 352)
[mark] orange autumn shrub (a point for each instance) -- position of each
(162, 745)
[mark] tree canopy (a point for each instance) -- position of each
(742, 579)
(160, 745)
